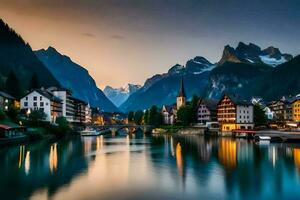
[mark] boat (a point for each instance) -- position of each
(89, 133)
(262, 138)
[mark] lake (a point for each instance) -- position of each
(150, 167)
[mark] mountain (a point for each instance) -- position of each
(74, 77)
(16, 55)
(162, 89)
(253, 54)
(250, 80)
(120, 95)
(246, 70)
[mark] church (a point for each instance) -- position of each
(170, 112)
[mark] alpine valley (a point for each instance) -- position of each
(246, 70)
(51, 68)
(74, 77)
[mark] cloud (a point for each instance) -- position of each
(88, 34)
(117, 37)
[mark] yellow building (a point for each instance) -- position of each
(234, 113)
(296, 110)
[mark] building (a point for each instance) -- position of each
(6, 101)
(282, 109)
(169, 113)
(206, 111)
(296, 109)
(234, 113)
(45, 101)
(68, 107)
(181, 97)
(88, 114)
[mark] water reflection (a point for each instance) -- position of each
(159, 167)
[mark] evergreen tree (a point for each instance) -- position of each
(194, 104)
(260, 117)
(138, 117)
(130, 116)
(146, 117)
(185, 115)
(155, 117)
(12, 85)
(34, 82)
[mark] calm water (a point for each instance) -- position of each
(178, 167)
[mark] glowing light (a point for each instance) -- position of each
(27, 162)
(53, 158)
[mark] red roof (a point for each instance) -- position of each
(4, 127)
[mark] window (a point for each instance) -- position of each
(47, 104)
(25, 104)
(34, 104)
(34, 98)
(41, 104)
(41, 98)
(26, 98)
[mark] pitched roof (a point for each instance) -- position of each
(210, 104)
(47, 94)
(5, 95)
(237, 100)
(181, 92)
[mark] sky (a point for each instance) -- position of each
(128, 41)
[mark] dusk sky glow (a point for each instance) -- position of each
(122, 41)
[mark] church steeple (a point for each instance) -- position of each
(180, 100)
(181, 92)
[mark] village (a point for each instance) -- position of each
(229, 114)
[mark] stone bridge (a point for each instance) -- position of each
(117, 127)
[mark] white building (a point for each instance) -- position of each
(244, 116)
(43, 100)
(68, 107)
(168, 113)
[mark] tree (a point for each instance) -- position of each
(2, 115)
(34, 82)
(130, 116)
(138, 117)
(260, 117)
(36, 116)
(155, 117)
(63, 125)
(146, 117)
(12, 113)
(12, 85)
(185, 115)
(194, 104)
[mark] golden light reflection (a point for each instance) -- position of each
(21, 155)
(297, 157)
(179, 160)
(27, 162)
(227, 153)
(99, 143)
(172, 147)
(87, 145)
(53, 158)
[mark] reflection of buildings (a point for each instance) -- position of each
(297, 158)
(179, 160)
(228, 153)
(53, 158)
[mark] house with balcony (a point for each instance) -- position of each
(40, 99)
(206, 111)
(282, 110)
(234, 113)
(296, 110)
